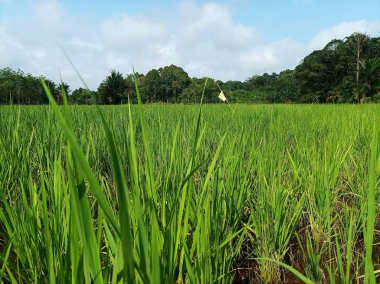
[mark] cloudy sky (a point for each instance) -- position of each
(230, 39)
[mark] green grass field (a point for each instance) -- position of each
(172, 194)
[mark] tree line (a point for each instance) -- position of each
(344, 71)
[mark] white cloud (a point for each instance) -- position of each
(203, 39)
(343, 30)
(33, 43)
(275, 56)
(129, 40)
(128, 30)
(209, 42)
(49, 12)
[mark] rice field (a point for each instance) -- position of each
(190, 194)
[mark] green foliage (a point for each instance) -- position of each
(343, 71)
(83, 97)
(19, 88)
(165, 84)
(193, 93)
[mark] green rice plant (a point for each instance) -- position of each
(195, 194)
(342, 271)
(369, 276)
(276, 211)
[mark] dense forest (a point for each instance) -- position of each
(344, 71)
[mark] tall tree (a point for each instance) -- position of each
(113, 89)
(63, 89)
(173, 81)
(131, 88)
(152, 90)
(358, 42)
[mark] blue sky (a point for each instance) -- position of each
(224, 39)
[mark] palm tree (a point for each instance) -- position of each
(113, 88)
